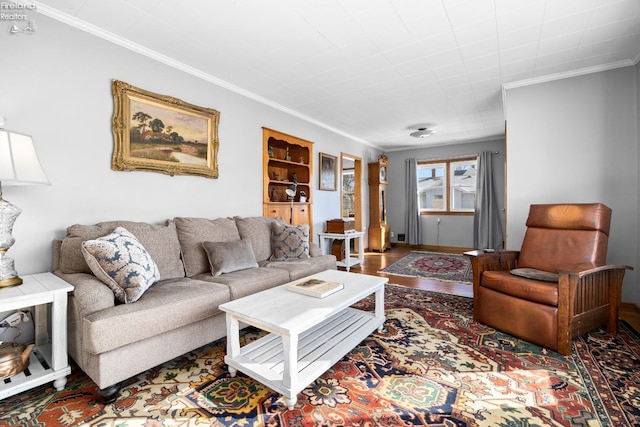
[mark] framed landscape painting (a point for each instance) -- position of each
(328, 172)
(160, 133)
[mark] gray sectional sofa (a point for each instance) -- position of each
(112, 341)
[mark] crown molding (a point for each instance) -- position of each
(563, 75)
(142, 50)
(568, 74)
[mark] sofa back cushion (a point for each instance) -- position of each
(193, 232)
(258, 231)
(161, 241)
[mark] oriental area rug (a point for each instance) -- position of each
(433, 265)
(430, 366)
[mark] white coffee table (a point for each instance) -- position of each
(307, 335)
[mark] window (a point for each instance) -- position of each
(348, 193)
(447, 185)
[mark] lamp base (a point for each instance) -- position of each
(12, 281)
(8, 215)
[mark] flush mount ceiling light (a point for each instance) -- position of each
(422, 133)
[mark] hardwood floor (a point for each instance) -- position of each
(375, 261)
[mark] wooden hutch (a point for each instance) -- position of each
(287, 158)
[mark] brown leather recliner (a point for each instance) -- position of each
(558, 285)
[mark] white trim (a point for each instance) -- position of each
(567, 74)
(128, 44)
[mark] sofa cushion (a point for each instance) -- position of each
(193, 232)
(227, 257)
(258, 231)
(532, 273)
(161, 241)
(167, 305)
(246, 282)
(122, 263)
(289, 241)
(304, 267)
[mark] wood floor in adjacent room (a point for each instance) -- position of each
(375, 261)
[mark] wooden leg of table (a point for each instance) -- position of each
(347, 252)
(290, 380)
(41, 334)
(321, 244)
(233, 341)
(60, 383)
(380, 307)
(59, 355)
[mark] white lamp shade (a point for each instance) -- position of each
(19, 163)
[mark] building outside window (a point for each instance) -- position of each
(348, 193)
(447, 186)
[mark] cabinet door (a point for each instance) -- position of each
(277, 211)
(301, 214)
(282, 210)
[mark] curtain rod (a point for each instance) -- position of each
(461, 156)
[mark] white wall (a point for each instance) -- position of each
(454, 230)
(58, 89)
(576, 140)
(635, 290)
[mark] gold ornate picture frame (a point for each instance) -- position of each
(328, 172)
(159, 133)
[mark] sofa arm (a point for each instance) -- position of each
(90, 293)
(314, 250)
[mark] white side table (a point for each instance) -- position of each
(348, 260)
(49, 360)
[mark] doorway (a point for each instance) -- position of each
(351, 190)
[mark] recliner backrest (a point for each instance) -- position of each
(559, 235)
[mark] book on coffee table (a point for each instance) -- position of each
(315, 287)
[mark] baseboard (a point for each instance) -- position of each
(629, 306)
(432, 248)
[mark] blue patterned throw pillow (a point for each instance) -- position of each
(289, 242)
(122, 263)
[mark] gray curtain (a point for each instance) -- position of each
(412, 221)
(487, 223)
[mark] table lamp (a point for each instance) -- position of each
(19, 166)
(291, 192)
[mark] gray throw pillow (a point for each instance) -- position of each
(532, 273)
(227, 257)
(122, 263)
(289, 242)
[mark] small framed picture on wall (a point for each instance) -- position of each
(328, 172)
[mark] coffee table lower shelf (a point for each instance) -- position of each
(318, 349)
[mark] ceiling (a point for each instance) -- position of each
(373, 70)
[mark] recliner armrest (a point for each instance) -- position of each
(585, 269)
(498, 260)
